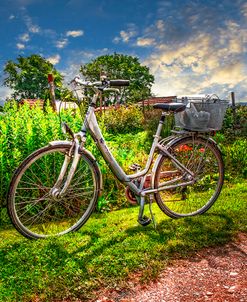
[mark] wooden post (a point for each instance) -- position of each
(101, 101)
(52, 91)
(233, 108)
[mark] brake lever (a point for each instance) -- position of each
(111, 89)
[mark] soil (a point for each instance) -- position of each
(216, 274)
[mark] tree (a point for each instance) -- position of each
(28, 77)
(119, 66)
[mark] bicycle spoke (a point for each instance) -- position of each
(200, 158)
(43, 214)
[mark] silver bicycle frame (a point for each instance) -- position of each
(90, 123)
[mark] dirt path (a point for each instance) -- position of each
(214, 274)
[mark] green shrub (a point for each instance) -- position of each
(236, 157)
(24, 129)
(123, 120)
(235, 125)
(152, 118)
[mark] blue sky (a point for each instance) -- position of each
(191, 47)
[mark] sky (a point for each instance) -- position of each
(191, 47)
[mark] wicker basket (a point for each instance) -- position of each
(201, 114)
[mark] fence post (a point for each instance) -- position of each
(233, 108)
(52, 91)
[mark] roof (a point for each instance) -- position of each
(32, 102)
(155, 100)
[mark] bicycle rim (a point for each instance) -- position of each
(204, 159)
(34, 211)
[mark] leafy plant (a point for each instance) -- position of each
(123, 120)
(235, 123)
(236, 157)
(24, 129)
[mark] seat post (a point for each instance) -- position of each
(161, 123)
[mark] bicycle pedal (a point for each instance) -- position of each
(144, 221)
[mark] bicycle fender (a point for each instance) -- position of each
(55, 143)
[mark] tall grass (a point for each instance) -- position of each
(24, 129)
(127, 132)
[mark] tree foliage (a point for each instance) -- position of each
(119, 66)
(28, 77)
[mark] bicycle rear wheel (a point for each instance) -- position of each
(204, 159)
(34, 211)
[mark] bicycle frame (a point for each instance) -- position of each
(90, 123)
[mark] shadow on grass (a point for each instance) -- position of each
(192, 232)
(75, 264)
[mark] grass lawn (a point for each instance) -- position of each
(110, 247)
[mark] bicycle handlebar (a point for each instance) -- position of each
(104, 83)
(115, 83)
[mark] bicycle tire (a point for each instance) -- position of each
(34, 212)
(202, 157)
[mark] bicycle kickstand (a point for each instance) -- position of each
(151, 197)
(142, 219)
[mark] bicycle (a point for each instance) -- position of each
(55, 189)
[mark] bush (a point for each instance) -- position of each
(235, 126)
(236, 157)
(123, 120)
(152, 118)
(24, 129)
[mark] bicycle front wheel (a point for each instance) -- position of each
(203, 158)
(34, 211)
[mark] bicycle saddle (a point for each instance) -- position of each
(174, 107)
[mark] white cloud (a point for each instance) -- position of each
(20, 46)
(61, 43)
(25, 37)
(116, 40)
(231, 74)
(244, 10)
(54, 59)
(160, 24)
(200, 65)
(74, 33)
(5, 92)
(11, 17)
(126, 35)
(32, 28)
(143, 42)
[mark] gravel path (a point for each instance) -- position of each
(214, 274)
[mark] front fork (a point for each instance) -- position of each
(57, 190)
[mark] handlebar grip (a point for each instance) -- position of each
(114, 83)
